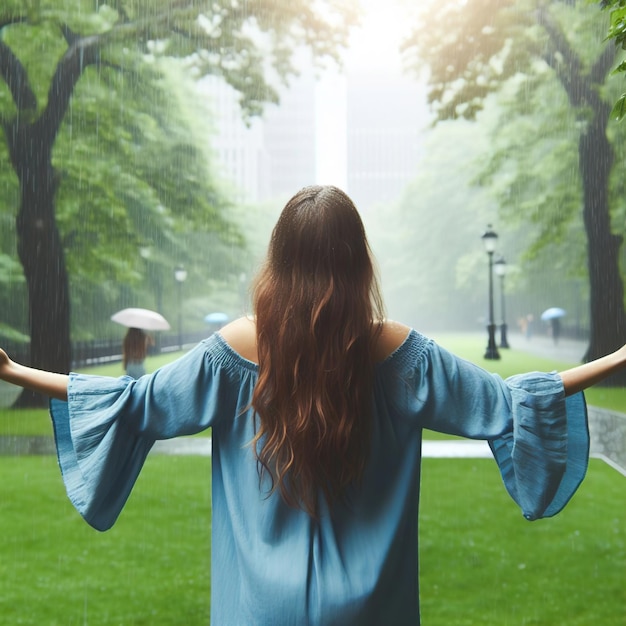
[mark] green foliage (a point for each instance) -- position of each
(469, 52)
(472, 48)
(532, 170)
(111, 210)
(147, 187)
(131, 156)
(239, 41)
(619, 109)
(617, 25)
(547, 63)
(529, 165)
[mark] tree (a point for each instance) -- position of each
(150, 201)
(479, 46)
(48, 46)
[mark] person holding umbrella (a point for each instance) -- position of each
(136, 341)
(134, 351)
(317, 406)
(554, 315)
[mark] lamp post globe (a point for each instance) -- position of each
(180, 276)
(490, 238)
(500, 268)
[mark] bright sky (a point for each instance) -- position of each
(373, 46)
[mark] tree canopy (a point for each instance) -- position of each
(474, 49)
(100, 164)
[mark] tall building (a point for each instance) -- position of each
(238, 149)
(289, 131)
(273, 155)
(376, 125)
(386, 114)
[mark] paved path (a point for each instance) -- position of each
(13, 445)
(566, 349)
(201, 446)
(439, 449)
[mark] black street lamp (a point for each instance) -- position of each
(180, 275)
(499, 266)
(489, 240)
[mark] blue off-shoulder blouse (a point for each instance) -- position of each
(358, 563)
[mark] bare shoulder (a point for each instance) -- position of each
(240, 335)
(392, 336)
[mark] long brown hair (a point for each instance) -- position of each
(318, 312)
(135, 346)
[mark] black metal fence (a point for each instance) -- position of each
(98, 351)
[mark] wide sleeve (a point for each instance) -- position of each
(539, 438)
(105, 430)
(544, 458)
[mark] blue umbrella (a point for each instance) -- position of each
(552, 313)
(216, 318)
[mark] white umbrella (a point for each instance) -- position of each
(141, 318)
(552, 313)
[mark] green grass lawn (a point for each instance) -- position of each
(482, 564)
(151, 569)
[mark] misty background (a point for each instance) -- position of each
(172, 149)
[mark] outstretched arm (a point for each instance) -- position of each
(46, 383)
(588, 374)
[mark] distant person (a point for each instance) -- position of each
(530, 322)
(555, 326)
(317, 406)
(134, 352)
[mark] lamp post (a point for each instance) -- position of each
(489, 240)
(499, 266)
(180, 275)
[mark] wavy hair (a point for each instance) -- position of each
(134, 346)
(318, 312)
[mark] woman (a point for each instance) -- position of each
(317, 406)
(134, 351)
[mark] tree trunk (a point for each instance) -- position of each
(606, 289)
(608, 318)
(41, 254)
(39, 244)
